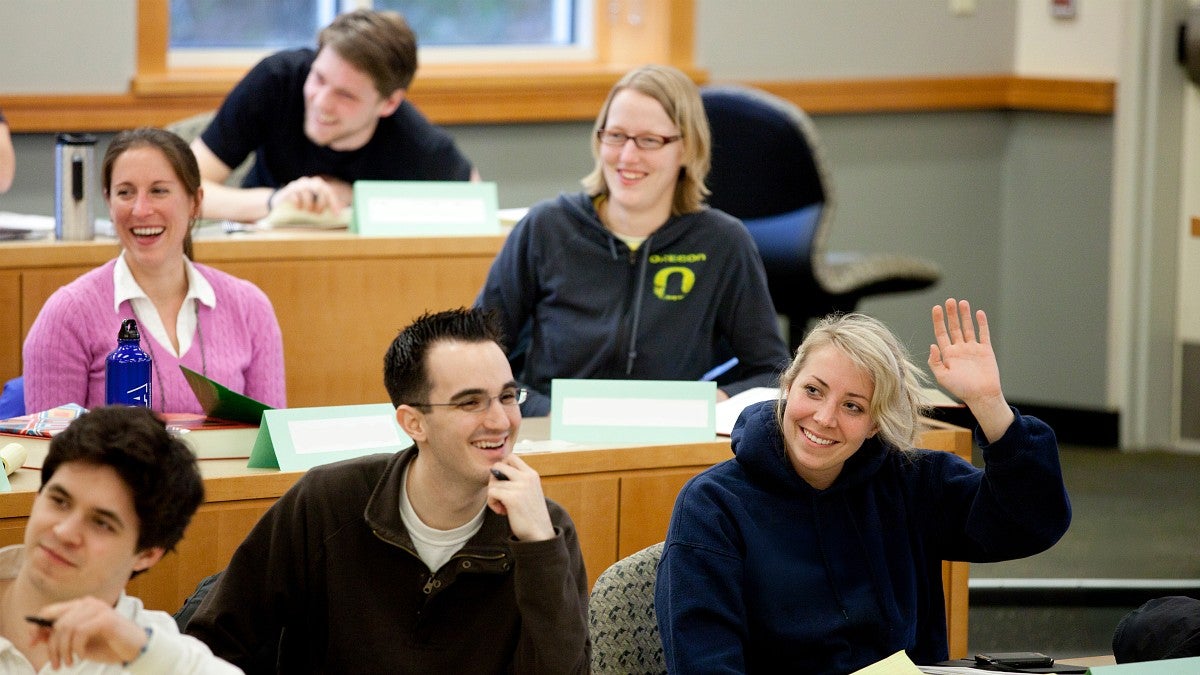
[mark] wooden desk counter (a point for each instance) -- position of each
(340, 298)
(619, 497)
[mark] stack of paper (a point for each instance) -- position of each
(287, 214)
(896, 664)
(24, 226)
(211, 437)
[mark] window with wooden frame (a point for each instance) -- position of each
(467, 89)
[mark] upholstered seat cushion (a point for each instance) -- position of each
(621, 617)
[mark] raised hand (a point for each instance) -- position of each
(965, 365)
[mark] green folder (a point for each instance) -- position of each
(217, 400)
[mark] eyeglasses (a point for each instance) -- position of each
(644, 141)
(477, 403)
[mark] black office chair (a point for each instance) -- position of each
(767, 170)
(265, 660)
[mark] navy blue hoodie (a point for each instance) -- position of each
(595, 309)
(763, 573)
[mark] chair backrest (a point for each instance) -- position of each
(12, 398)
(264, 660)
(767, 170)
(189, 128)
(192, 603)
(621, 619)
(765, 153)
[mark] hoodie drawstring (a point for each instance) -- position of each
(637, 304)
(837, 591)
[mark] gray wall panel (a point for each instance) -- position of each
(831, 39)
(1057, 219)
(67, 46)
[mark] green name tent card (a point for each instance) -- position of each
(1189, 666)
(397, 208)
(632, 411)
(297, 439)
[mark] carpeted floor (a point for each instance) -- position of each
(1135, 516)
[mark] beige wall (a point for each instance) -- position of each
(1086, 47)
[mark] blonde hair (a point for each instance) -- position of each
(895, 406)
(680, 98)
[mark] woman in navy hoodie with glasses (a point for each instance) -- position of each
(635, 278)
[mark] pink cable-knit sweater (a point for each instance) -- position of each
(77, 328)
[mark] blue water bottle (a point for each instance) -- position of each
(127, 369)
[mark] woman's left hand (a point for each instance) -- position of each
(965, 365)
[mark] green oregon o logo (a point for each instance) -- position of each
(667, 289)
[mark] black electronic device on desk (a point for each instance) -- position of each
(1014, 662)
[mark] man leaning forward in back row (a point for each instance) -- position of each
(117, 492)
(318, 121)
(443, 558)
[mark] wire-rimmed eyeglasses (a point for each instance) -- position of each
(477, 403)
(643, 141)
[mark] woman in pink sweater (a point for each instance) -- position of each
(187, 313)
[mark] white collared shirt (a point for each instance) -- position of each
(125, 287)
(166, 651)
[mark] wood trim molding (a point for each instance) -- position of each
(153, 36)
(100, 112)
(628, 32)
(988, 92)
(1036, 93)
(457, 95)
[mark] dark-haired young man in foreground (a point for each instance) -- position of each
(117, 493)
(443, 558)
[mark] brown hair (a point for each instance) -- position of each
(158, 468)
(177, 154)
(680, 98)
(405, 371)
(380, 44)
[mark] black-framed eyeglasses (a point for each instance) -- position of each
(477, 403)
(643, 141)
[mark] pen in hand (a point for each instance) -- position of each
(498, 475)
(39, 620)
